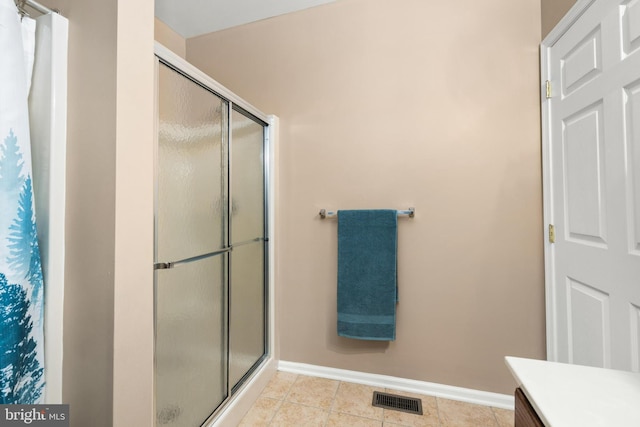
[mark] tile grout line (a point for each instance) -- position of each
(290, 388)
(438, 411)
(384, 410)
(273, 415)
(333, 402)
(495, 417)
(284, 399)
(332, 409)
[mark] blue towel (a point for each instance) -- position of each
(367, 285)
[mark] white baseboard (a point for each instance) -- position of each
(485, 398)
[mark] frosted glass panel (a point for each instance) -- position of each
(247, 178)
(191, 132)
(247, 309)
(210, 310)
(190, 342)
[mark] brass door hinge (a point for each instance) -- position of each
(548, 89)
(552, 233)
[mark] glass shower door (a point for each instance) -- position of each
(247, 308)
(191, 251)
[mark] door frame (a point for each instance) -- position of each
(576, 11)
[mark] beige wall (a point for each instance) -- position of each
(552, 13)
(166, 36)
(429, 104)
(109, 213)
(133, 359)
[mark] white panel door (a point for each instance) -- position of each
(592, 187)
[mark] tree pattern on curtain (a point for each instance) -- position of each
(21, 375)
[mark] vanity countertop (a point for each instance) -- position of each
(566, 395)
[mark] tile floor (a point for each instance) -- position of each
(291, 400)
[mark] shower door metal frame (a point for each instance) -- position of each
(234, 102)
(236, 106)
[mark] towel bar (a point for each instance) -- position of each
(334, 214)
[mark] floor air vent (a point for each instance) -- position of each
(397, 403)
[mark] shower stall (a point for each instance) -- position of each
(211, 244)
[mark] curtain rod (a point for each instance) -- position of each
(35, 5)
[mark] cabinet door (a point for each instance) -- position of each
(525, 414)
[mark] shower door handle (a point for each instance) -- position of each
(162, 265)
(167, 265)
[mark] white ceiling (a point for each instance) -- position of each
(191, 18)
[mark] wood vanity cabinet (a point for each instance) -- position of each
(525, 414)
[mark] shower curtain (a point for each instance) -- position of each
(21, 280)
